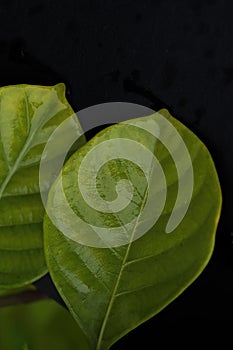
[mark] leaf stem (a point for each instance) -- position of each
(23, 297)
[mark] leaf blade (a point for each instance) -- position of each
(111, 291)
(26, 113)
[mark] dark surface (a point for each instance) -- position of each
(177, 54)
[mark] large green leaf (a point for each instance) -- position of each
(110, 285)
(28, 116)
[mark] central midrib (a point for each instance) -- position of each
(23, 152)
(16, 165)
(103, 327)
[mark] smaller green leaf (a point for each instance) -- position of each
(41, 325)
(28, 116)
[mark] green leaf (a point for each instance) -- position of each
(28, 116)
(41, 325)
(113, 281)
(25, 347)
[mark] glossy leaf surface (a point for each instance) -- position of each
(28, 116)
(111, 290)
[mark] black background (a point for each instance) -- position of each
(175, 54)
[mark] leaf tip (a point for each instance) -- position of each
(60, 88)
